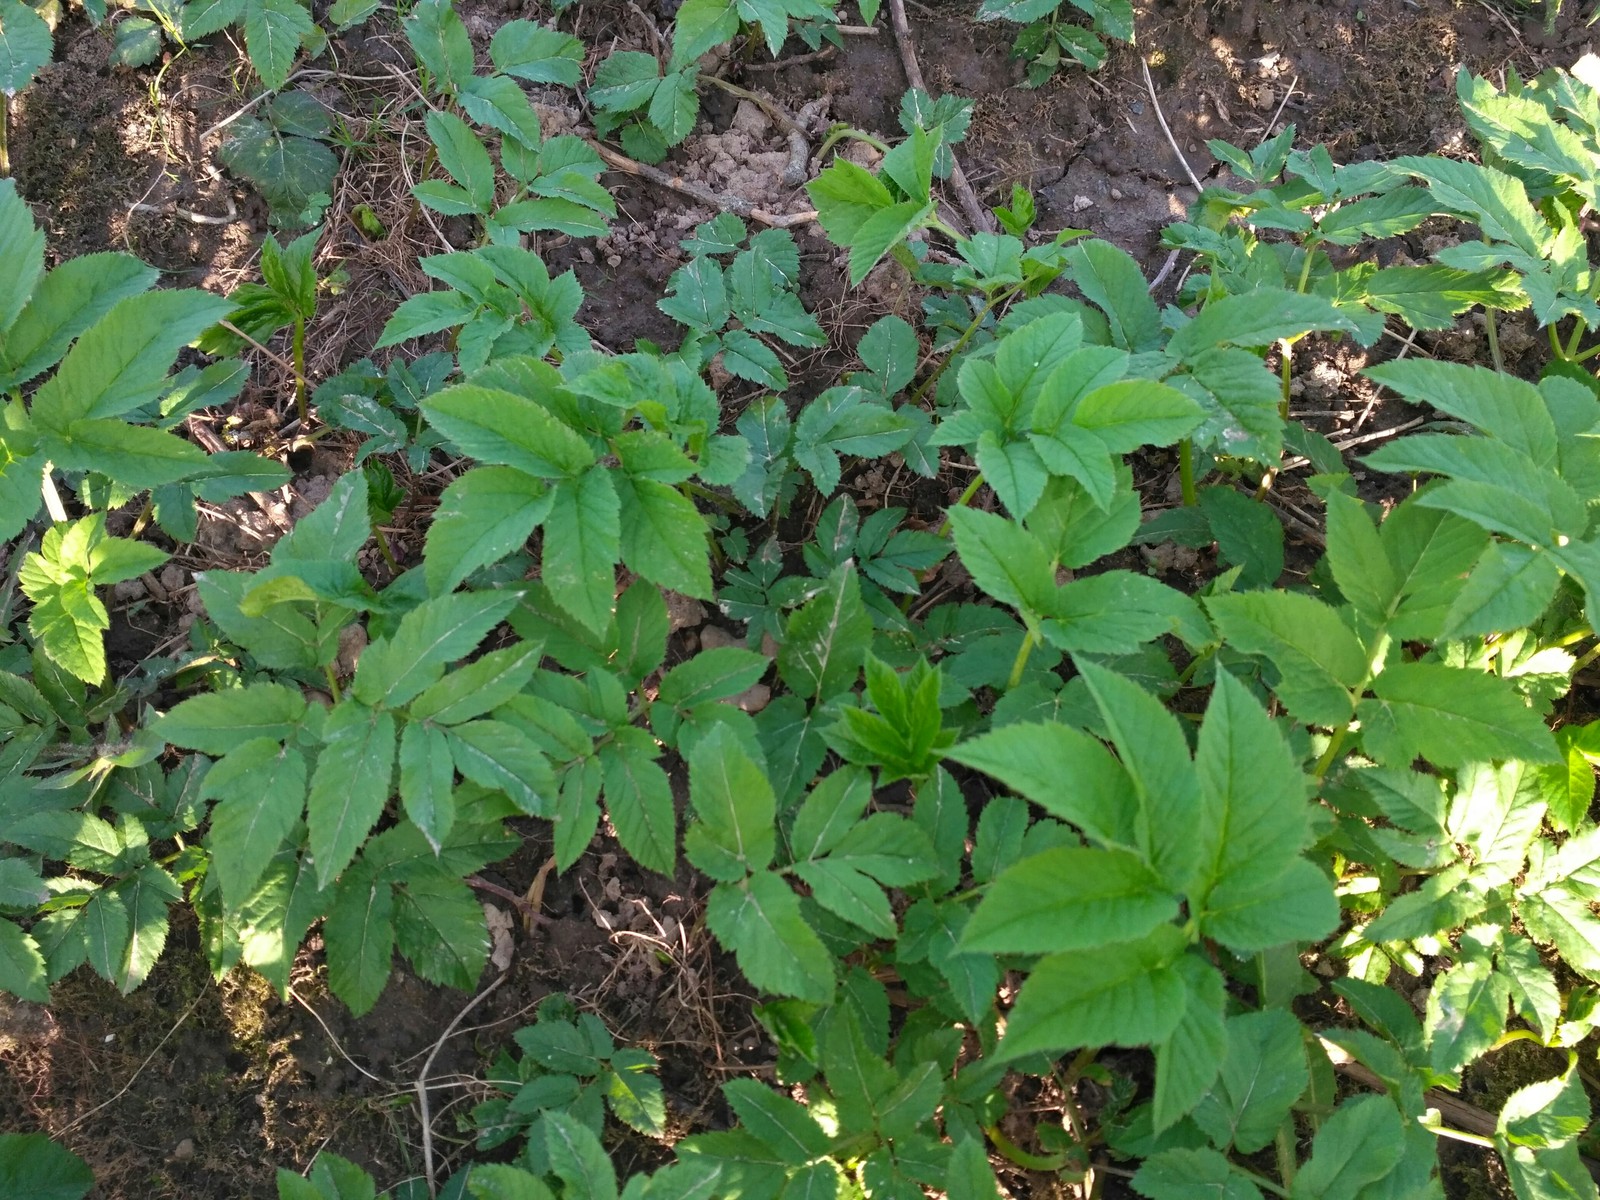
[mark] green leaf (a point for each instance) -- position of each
(1254, 911)
(427, 777)
(350, 785)
(537, 54)
(272, 33)
(1112, 281)
(582, 543)
(1127, 994)
(478, 687)
(1496, 201)
(1509, 589)
(1254, 816)
(500, 756)
(760, 921)
(736, 807)
(395, 669)
(216, 723)
(1248, 535)
(1449, 716)
(783, 1124)
(146, 896)
(22, 974)
(1069, 899)
(578, 1159)
(25, 46)
(21, 242)
(1187, 1062)
(1358, 1145)
(1466, 1014)
(1263, 1074)
(462, 154)
(1133, 413)
(122, 361)
(1502, 406)
(136, 457)
(483, 516)
(1155, 756)
(826, 640)
(1258, 318)
(882, 231)
(638, 798)
(1547, 1114)
(1184, 1174)
(1033, 759)
(65, 302)
(439, 926)
(494, 426)
(1005, 560)
(262, 788)
(663, 537)
(32, 1167)
(1319, 660)
(360, 935)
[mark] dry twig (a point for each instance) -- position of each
(979, 216)
(421, 1085)
(1150, 86)
(700, 193)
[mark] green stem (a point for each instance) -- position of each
(966, 499)
(1305, 267)
(1556, 347)
(300, 372)
(1284, 1149)
(961, 342)
(1579, 328)
(1016, 1154)
(383, 549)
(5, 153)
(1335, 744)
(839, 132)
(1194, 665)
(1587, 354)
(52, 498)
(333, 681)
(1285, 375)
(1186, 473)
(1021, 662)
(1461, 1135)
(1586, 658)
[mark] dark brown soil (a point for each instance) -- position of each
(192, 1089)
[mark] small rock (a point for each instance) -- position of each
(613, 260)
(753, 699)
(1079, 203)
(128, 591)
(683, 612)
(352, 641)
(713, 637)
(183, 1151)
(172, 577)
(1116, 193)
(748, 118)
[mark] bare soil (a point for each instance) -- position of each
(189, 1088)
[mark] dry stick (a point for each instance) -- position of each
(1293, 83)
(421, 1086)
(979, 216)
(734, 204)
(76, 1121)
(1150, 86)
(797, 60)
(333, 1041)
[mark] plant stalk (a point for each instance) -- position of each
(1186, 472)
(966, 499)
(300, 377)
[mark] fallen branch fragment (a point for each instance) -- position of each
(704, 195)
(979, 216)
(1150, 86)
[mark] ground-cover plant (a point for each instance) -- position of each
(1048, 39)
(978, 834)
